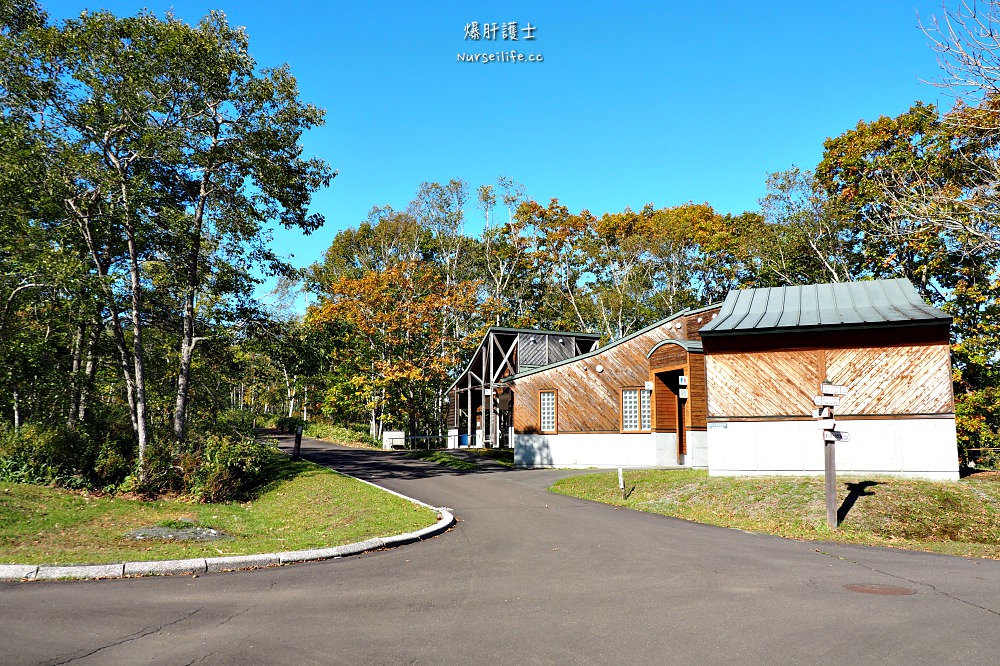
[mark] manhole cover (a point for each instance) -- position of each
(877, 588)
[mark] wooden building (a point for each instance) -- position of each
(769, 350)
(639, 401)
(479, 402)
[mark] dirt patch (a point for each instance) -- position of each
(177, 534)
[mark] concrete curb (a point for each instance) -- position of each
(19, 572)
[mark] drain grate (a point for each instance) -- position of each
(878, 588)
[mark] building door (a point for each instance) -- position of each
(670, 407)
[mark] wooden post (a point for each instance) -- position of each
(298, 443)
(830, 461)
(828, 399)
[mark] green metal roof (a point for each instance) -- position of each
(687, 345)
(868, 304)
(575, 334)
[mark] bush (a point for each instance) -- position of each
(233, 467)
(48, 455)
(977, 422)
(339, 434)
(289, 423)
(237, 422)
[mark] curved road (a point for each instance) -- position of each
(526, 577)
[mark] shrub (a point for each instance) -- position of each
(238, 422)
(48, 455)
(233, 467)
(340, 434)
(977, 422)
(289, 423)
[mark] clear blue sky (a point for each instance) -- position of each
(634, 102)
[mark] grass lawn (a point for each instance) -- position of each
(444, 457)
(503, 456)
(310, 507)
(958, 518)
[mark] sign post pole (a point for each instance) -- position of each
(831, 483)
(828, 429)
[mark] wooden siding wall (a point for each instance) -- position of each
(588, 400)
(697, 404)
(694, 323)
(882, 381)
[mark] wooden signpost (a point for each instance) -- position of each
(826, 403)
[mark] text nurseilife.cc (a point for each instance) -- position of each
(496, 31)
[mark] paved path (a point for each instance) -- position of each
(526, 577)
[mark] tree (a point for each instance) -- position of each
(504, 254)
(869, 171)
(165, 145)
(803, 240)
(402, 352)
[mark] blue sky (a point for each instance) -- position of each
(636, 102)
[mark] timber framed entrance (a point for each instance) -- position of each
(669, 406)
(480, 404)
(680, 397)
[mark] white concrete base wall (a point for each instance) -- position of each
(697, 447)
(596, 450)
(919, 448)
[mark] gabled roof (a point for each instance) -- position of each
(869, 304)
(535, 331)
(501, 329)
(617, 342)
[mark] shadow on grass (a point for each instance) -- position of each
(854, 491)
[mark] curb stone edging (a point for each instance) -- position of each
(20, 572)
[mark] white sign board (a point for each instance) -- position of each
(836, 436)
(826, 424)
(682, 393)
(826, 401)
(682, 380)
(834, 389)
(823, 413)
(649, 386)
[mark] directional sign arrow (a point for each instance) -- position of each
(823, 413)
(836, 436)
(826, 401)
(834, 389)
(826, 424)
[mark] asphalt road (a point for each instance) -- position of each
(526, 577)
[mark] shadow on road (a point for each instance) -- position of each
(373, 464)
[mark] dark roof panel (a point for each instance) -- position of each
(811, 306)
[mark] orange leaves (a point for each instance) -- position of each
(403, 318)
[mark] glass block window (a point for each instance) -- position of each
(645, 413)
(636, 414)
(547, 408)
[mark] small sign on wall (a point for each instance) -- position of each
(682, 380)
(649, 386)
(682, 393)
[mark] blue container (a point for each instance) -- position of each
(463, 440)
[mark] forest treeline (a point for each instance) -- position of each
(144, 158)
